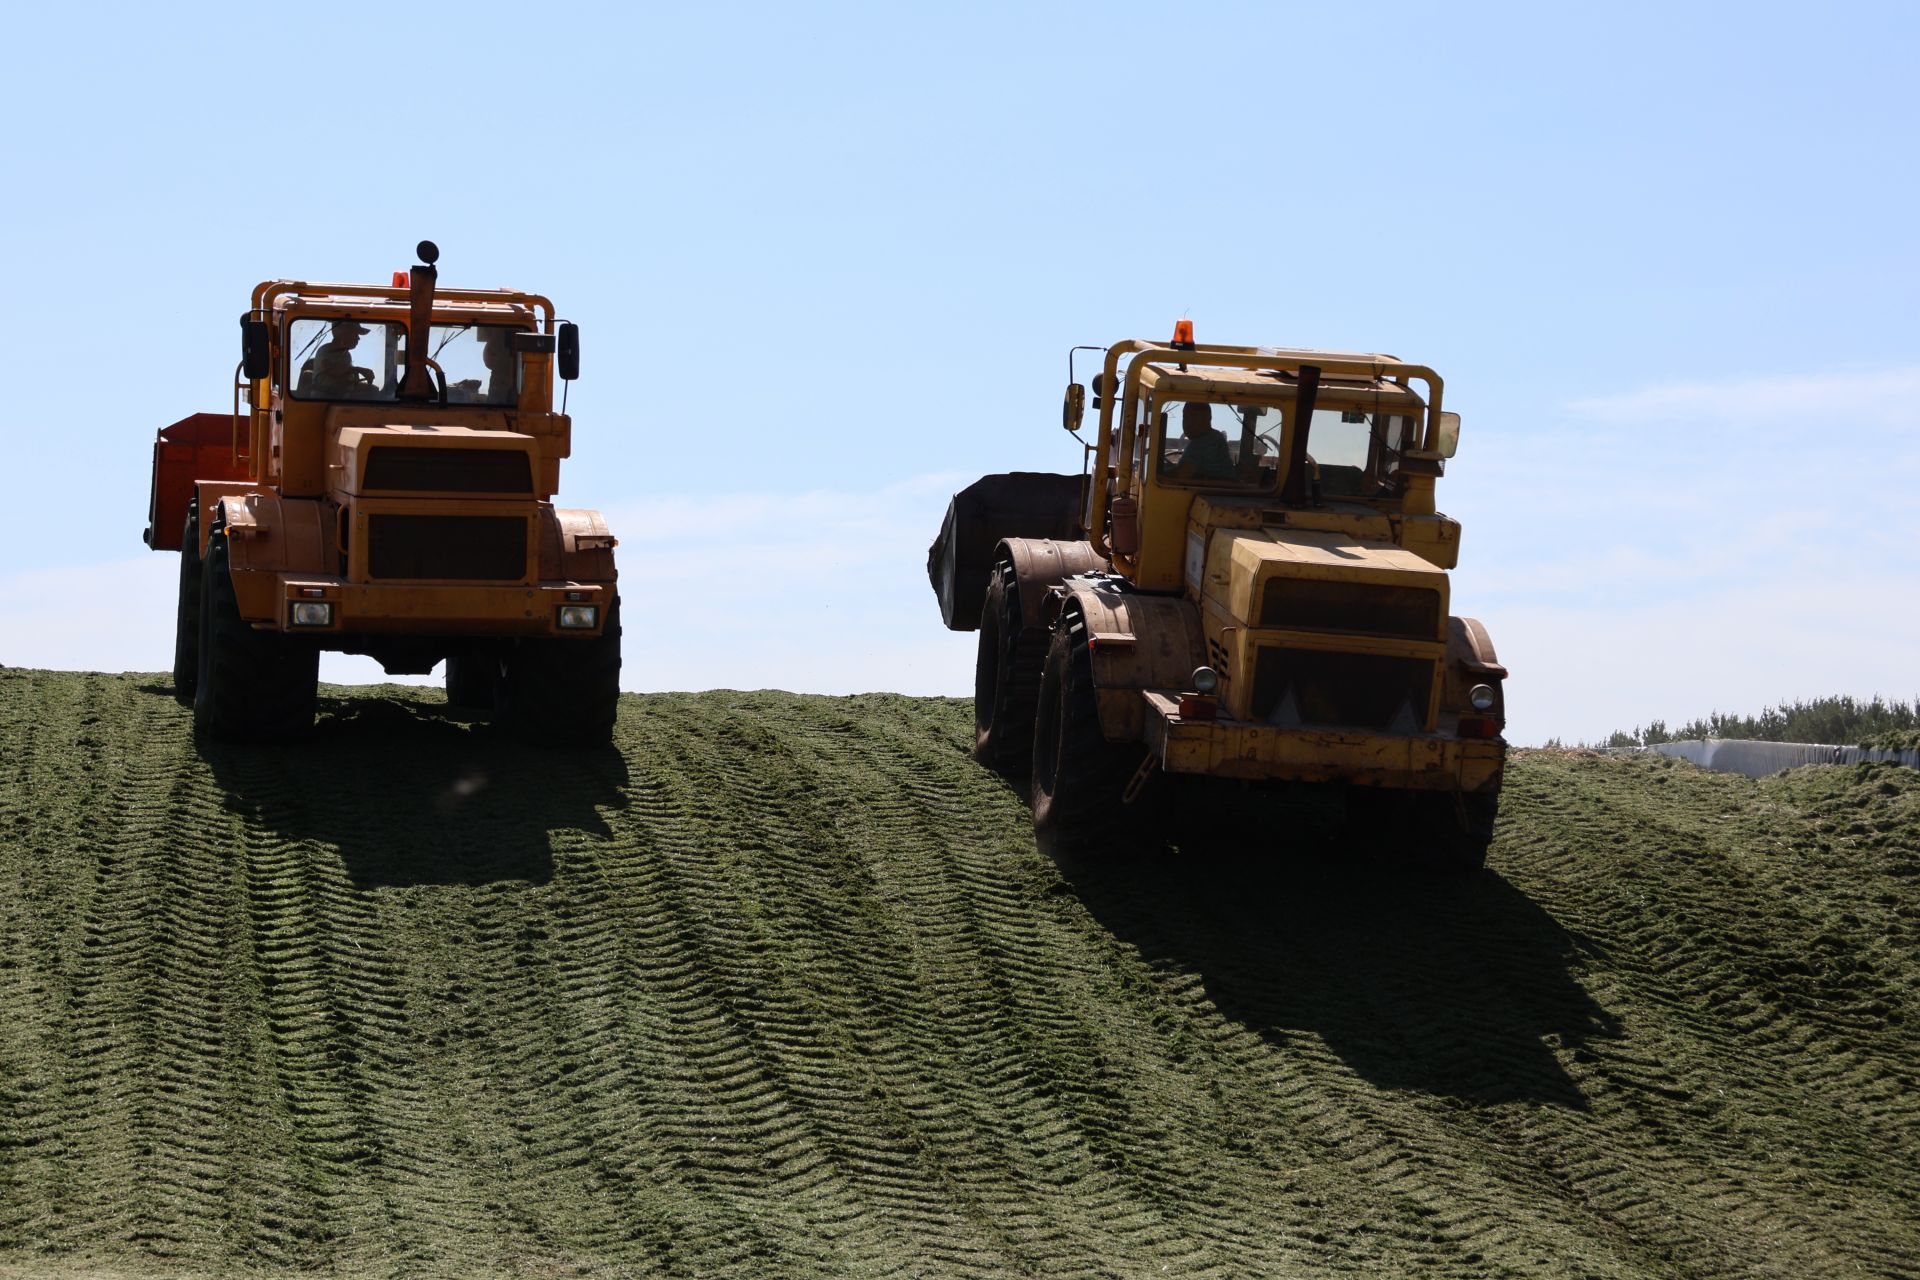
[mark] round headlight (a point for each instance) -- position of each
(1481, 696)
(1206, 679)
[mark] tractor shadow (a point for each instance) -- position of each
(412, 794)
(1455, 986)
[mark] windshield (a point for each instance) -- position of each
(1352, 454)
(1356, 454)
(364, 360)
(1218, 446)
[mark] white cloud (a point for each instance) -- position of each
(1886, 397)
(1580, 673)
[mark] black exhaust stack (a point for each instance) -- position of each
(417, 382)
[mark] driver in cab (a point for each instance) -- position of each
(1204, 454)
(334, 374)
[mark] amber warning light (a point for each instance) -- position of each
(1183, 335)
(400, 280)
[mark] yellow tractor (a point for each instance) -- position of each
(386, 489)
(1249, 583)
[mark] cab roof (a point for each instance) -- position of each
(1218, 382)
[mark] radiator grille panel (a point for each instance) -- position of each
(1354, 608)
(449, 470)
(1353, 690)
(469, 548)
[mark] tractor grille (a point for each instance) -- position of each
(1353, 608)
(1354, 690)
(449, 470)
(490, 548)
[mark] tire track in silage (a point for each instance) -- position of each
(1031, 1143)
(803, 975)
(568, 1025)
(356, 1169)
(31, 1137)
(109, 1031)
(1670, 1096)
(769, 1125)
(48, 878)
(1120, 1123)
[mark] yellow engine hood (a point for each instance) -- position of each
(1237, 565)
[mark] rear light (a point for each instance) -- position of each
(579, 617)
(1198, 706)
(1479, 727)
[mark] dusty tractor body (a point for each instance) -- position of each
(384, 486)
(1249, 583)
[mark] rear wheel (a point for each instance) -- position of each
(563, 692)
(1078, 775)
(186, 617)
(253, 686)
(1006, 678)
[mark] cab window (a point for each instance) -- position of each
(1217, 446)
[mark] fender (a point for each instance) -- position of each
(1470, 661)
(1040, 564)
(1138, 642)
(269, 535)
(208, 493)
(1470, 648)
(576, 546)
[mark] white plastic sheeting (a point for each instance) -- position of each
(1758, 759)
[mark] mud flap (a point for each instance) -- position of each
(1019, 504)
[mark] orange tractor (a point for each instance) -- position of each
(386, 489)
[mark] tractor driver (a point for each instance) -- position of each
(1205, 455)
(335, 375)
(502, 371)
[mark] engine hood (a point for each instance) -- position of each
(1299, 579)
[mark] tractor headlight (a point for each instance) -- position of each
(579, 617)
(312, 613)
(1205, 679)
(1481, 696)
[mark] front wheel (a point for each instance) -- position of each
(1447, 831)
(1462, 828)
(471, 681)
(253, 686)
(560, 691)
(1079, 777)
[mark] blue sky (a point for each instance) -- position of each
(828, 263)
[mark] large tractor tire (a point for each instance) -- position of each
(1459, 828)
(1079, 777)
(253, 686)
(472, 681)
(186, 617)
(1447, 831)
(1006, 678)
(563, 692)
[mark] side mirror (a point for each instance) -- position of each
(568, 357)
(255, 362)
(1074, 407)
(1447, 435)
